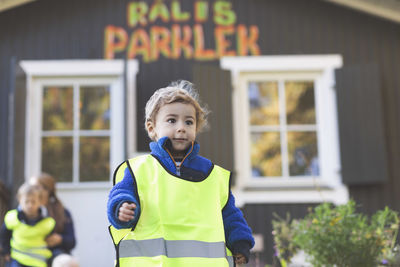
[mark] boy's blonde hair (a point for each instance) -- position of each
(27, 189)
(178, 91)
(65, 260)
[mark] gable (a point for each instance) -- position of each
(8, 4)
(388, 9)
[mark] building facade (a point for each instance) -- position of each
(304, 97)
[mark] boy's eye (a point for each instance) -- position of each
(189, 122)
(171, 120)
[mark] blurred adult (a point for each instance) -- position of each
(4, 206)
(62, 240)
(4, 200)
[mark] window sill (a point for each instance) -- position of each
(301, 182)
(285, 193)
(84, 186)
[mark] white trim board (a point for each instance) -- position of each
(337, 196)
(282, 63)
(76, 67)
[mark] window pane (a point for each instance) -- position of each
(300, 104)
(264, 103)
(94, 155)
(57, 108)
(95, 108)
(57, 157)
(303, 153)
(266, 154)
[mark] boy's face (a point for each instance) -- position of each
(45, 192)
(30, 204)
(177, 121)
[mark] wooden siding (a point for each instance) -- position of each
(4, 207)
(3, 123)
(361, 127)
(19, 133)
(215, 90)
(74, 29)
(263, 224)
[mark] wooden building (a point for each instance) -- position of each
(304, 97)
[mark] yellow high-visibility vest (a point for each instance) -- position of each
(28, 245)
(181, 221)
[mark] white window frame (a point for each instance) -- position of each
(328, 185)
(40, 73)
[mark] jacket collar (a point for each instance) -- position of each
(22, 216)
(159, 149)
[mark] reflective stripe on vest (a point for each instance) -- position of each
(171, 248)
(33, 255)
(181, 221)
(28, 245)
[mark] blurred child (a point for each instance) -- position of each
(24, 231)
(62, 240)
(174, 207)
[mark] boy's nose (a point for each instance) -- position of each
(181, 127)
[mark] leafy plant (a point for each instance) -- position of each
(338, 236)
(283, 234)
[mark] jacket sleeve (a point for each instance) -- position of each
(68, 235)
(5, 237)
(238, 234)
(122, 192)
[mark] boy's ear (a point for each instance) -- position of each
(149, 126)
(150, 129)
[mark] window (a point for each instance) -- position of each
(283, 132)
(75, 118)
(285, 128)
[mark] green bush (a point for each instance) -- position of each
(338, 236)
(283, 233)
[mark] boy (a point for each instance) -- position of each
(25, 229)
(175, 207)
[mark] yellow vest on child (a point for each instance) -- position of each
(28, 245)
(181, 221)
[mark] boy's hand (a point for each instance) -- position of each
(239, 258)
(126, 212)
(54, 240)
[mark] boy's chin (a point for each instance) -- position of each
(179, 151)
(31, 215)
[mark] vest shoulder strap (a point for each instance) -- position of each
(222, 170)
(48, 223)
(136, 162)
(226, 180)
(11, 219)
(120, 170)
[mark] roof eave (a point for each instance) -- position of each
(390, 12)
(9, 4)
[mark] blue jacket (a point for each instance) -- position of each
(238, 234)
(68, 236)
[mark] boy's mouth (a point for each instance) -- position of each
(180, 139)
